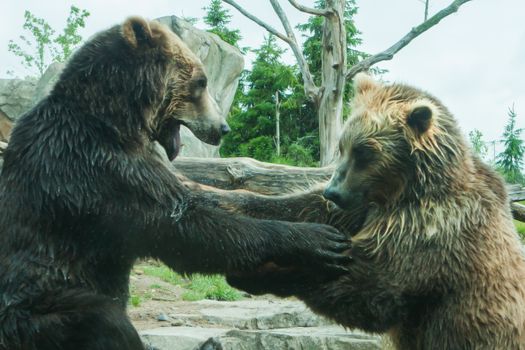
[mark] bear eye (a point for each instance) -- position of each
(362, 155)
(201, 82)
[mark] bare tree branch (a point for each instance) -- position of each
(310, 10)
(309, 85)
(311, 90)
(389, 53)
(263, 24)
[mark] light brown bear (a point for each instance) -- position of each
(437, 262)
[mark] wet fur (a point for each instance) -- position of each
(437, 262)
(83, 194)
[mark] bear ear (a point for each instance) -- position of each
(137, 32)
(420, 118)
(363, 83)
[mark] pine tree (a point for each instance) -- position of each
(253, 122)
(510, 161)
(217, 18)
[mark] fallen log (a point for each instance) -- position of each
(518, 211)
(250, 174)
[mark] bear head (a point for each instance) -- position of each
(187, 100)
(399, 143)
(142, 82)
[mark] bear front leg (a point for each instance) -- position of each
(210, 240)
(357, 299)
(293, 207)
(308, 206)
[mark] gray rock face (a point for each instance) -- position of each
(255, 314)
(5, 126)
(305, 338)
(256, 325)
(16, 96)
(47, 81)
(180, 338)
(223, 63)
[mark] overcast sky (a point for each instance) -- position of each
(474, 60)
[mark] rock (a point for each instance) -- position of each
(310, 338)
(180, 338)
(223, 63)
(5, 127)
(47, 81)
(256, 325)
(163, 318)
(177, 322)
(305, 338)
(16, 96)
(259, 314)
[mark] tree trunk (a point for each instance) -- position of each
(277, 125)
(330, 107)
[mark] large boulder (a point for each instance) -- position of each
(47, 81)
(16, 96)
(5, 126)
(223, 63)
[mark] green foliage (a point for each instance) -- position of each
(70, 38)
(510, 161)
(478, 145)
(164, 273)
(217, 18)
(42, 46)
(253, 115)
(210, 287)
(198, 286)
(260, 148)
(135, 300)
(300, 155)
(520, 227)
(42, 33)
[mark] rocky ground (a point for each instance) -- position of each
(167, 321)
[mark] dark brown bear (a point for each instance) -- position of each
(437, 262)
(83, 194)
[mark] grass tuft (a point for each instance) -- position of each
(164, 273)
(210, 287)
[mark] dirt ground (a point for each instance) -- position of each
(156, 300)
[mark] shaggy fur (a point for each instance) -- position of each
(83, 194)
(437, 262)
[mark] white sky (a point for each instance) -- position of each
(474, 60)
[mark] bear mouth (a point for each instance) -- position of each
(169, 138)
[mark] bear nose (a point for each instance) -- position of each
(332, 195)
(225, 128)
